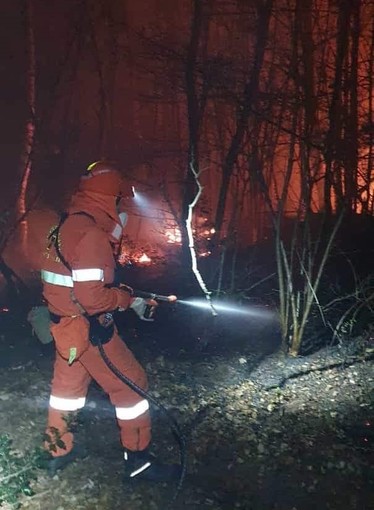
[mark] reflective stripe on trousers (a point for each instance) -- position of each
(132, 412)
(66, 404)
(72, 381)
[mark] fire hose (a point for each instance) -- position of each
(175, 428)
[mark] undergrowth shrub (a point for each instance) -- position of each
(17, 470)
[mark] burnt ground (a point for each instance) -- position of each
(264, 432)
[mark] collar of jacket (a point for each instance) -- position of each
(101, 207)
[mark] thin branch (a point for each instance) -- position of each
(17, 473)
(191, 242)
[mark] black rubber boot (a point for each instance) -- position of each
(55, 464)
(143, 465)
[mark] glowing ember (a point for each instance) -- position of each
(144, 259)
(205, 254)
(122, 258)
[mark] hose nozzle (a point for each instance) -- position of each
(156, 297)
(172, 298)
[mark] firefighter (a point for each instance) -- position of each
(78, 270)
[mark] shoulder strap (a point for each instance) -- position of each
(54, 236)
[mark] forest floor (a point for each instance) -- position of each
(264, 432)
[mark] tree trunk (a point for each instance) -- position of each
(29, 136)
(351, 130)
(102, 113)
(193, 121)
(305, 33)
(369, 204)
(249, 99)
(334, 134)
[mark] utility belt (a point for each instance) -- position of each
(101, 326)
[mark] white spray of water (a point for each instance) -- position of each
(222, 307)
(141, 200)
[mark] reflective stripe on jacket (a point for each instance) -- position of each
(87, 250)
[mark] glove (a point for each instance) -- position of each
(124, 298)
(144, 308)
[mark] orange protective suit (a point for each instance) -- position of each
(86, 243)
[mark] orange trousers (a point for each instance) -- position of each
(69, 389)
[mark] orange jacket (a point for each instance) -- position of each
(85, 245)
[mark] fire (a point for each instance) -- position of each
(173, 235)
(144, 259)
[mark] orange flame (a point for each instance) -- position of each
(144, 259)
(173, 236)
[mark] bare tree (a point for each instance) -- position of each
(247, 102)
(366, 167)
(304, 242)
(194, 109)
(29, 136)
